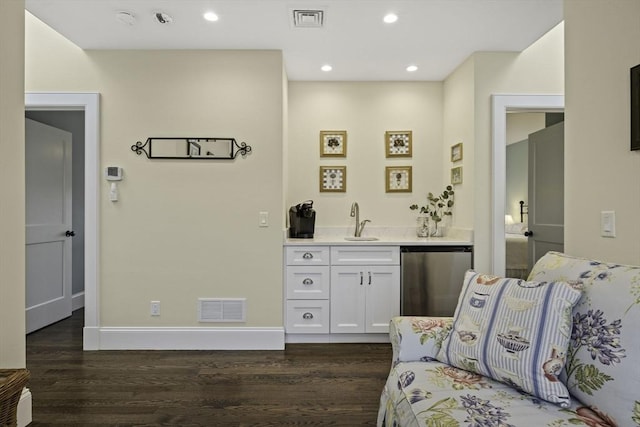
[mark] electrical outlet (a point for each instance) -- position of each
(155, 308)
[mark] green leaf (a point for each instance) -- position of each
(636, 413)
(441, 419)
(589, 378)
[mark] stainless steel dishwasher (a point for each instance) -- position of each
(431, 278)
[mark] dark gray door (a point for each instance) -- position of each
(546, 192)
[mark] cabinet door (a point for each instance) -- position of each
(382, 297)
(348, 299)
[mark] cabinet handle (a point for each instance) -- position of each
(307, 255)
(369, 277)
(307, 316)
(361, 278)
(307, 281)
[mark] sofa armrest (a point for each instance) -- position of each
(418, 338)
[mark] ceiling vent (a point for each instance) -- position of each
(163, 18)
(308, 18)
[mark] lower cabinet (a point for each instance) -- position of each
(364, 298)
(337, 290)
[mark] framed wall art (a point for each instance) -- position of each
(456, 175)
(456, 152)
(333, 143)
(635, 108)
(398, 179)
(398, 143)
(333, 179)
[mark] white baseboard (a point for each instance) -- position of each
(77, 301)
(336, 338)
(25, 414)
(187, 338)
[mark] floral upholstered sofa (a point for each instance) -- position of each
(561, 349)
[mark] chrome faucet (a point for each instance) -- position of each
(355, 212)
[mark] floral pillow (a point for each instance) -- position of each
(513, 331)
(603, 358)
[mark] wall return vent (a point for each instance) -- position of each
(222, 309)
(308, 18)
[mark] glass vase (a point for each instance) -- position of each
(422, 226)
(438, 229)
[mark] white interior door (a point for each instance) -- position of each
(48, 224)
(546, 192)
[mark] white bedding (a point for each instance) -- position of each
(517, 251)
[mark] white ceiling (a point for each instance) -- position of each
(435, 35)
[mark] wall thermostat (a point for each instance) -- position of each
(113, 173)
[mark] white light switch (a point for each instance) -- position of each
(608, 224)
(263, 219)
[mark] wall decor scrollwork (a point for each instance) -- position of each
(191, 148)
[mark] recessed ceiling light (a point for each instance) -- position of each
(326, 67)
(412, 68)
(210, 16)
(390, 18)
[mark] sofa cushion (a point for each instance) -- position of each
(603, 359)
(419, 394)
(513, 331)
(417, 338)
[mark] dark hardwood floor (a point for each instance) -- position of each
(304, 385)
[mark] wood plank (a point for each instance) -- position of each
(306, 384)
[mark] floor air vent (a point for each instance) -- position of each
(308, 18)
(221, 309)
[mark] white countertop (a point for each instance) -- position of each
(394, 236)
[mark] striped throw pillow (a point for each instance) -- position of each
(514, 331)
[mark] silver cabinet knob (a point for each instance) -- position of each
(307, 255)
(307, 281)
(307, 316)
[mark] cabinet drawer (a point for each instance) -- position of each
(307, 255)
(365, 255)
(308, 282)
(307, 316)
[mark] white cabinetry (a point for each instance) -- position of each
(365, 288)
(336, 290)
(307, 288)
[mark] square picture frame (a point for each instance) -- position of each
(456, 175)
(456, 152)
(398, 143)
(333, 143)
(333, 179)
(398, 179)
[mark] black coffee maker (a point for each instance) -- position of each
(302, 220)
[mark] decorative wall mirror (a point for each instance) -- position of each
(191, 148)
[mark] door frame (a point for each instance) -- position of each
(500, 106)
(90, 103)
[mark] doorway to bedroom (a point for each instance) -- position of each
(534, 196)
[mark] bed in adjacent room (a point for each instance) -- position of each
(517, 251)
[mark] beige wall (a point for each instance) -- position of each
(182, 229)
(600, 171)
(365, 110)
(12, 215)
(538, 69)
(458, 125)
